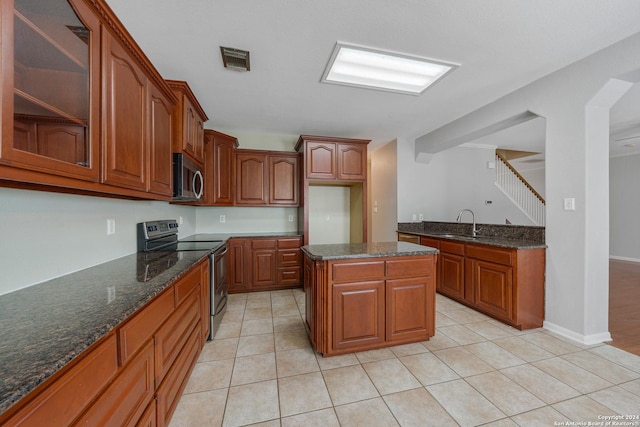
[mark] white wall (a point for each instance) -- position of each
(535, 177)
(454, 179)
(624, 208)
(575, 102)
(246, 219)
(383, 184)
(329, 214)
(46, 235)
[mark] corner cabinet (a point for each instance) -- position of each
(219, 168)
(362, 304)
(83, 109)
(504, 283)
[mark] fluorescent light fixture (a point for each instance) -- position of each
(370, 68)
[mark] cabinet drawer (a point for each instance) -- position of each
(501, 256)
(410, 267)
(138, 330)
(171, 388)
(171, 337)
(427, 241)
(452, 247)
(188, 284)
(357, 271)
(292, 243)
(66, 398)
(127, 397)
(290, 276)
(291, 258)
(263, 244)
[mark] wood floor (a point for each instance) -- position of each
(624, 305)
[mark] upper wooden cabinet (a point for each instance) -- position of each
(267, 178)
(83, 109)
(50, 88)
(327, 158)
(219, 169)
(188, 122)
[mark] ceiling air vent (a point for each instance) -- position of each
(235, 59)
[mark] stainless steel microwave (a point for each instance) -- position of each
(188, 183)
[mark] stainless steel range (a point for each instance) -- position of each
(162, 235)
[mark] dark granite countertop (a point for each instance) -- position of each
(510, 236)
(45, 326)
(365, 250)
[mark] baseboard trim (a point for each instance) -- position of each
(624, 258)
(574, 336)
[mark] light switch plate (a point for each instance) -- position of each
(569, 204)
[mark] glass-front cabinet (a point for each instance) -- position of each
(51, 63)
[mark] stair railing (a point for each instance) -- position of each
(516, 187)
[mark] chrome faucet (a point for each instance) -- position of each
(475, 230)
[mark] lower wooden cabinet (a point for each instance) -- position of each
(135, 375)
(505, 283)
(363, 304)
(262, 264)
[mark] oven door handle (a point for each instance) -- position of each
(224, 252)
(198, 175)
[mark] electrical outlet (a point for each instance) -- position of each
(414, 217)
(569, 204)
(111, 227)
(420, 217)
(223, 218)
(180, 220)
(290, 218)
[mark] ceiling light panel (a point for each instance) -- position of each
(369, 68)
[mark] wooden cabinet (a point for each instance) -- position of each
(90, 113)
(263, 263)
(335, 161)
(363, 304)
(505, 283)
(267, 178)
(284, 179)
(51, 81)
(219, 169)
(252, 177)
(329, 158)
(188, 122)
(125, 102)
(258, 264)
(115, 381)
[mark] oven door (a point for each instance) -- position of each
(218, 288)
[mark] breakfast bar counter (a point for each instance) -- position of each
(369, 295)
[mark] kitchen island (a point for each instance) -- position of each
(369, 295)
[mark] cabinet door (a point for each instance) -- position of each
(238, 265)
(160, 143)
(410, 308)
(263, 263)
(223, 171)
(125, 100)
(352, 162)
(358, 315)
(493, 288)
(284, 178)
(51, 88)
(320, 158)
(452, 275)
(193, 132)
(251, 179)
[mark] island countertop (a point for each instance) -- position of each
(365, 250)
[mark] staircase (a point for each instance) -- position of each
(516, 188)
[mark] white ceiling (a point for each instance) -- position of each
(501, 45)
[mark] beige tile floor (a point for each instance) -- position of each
(260, 370)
